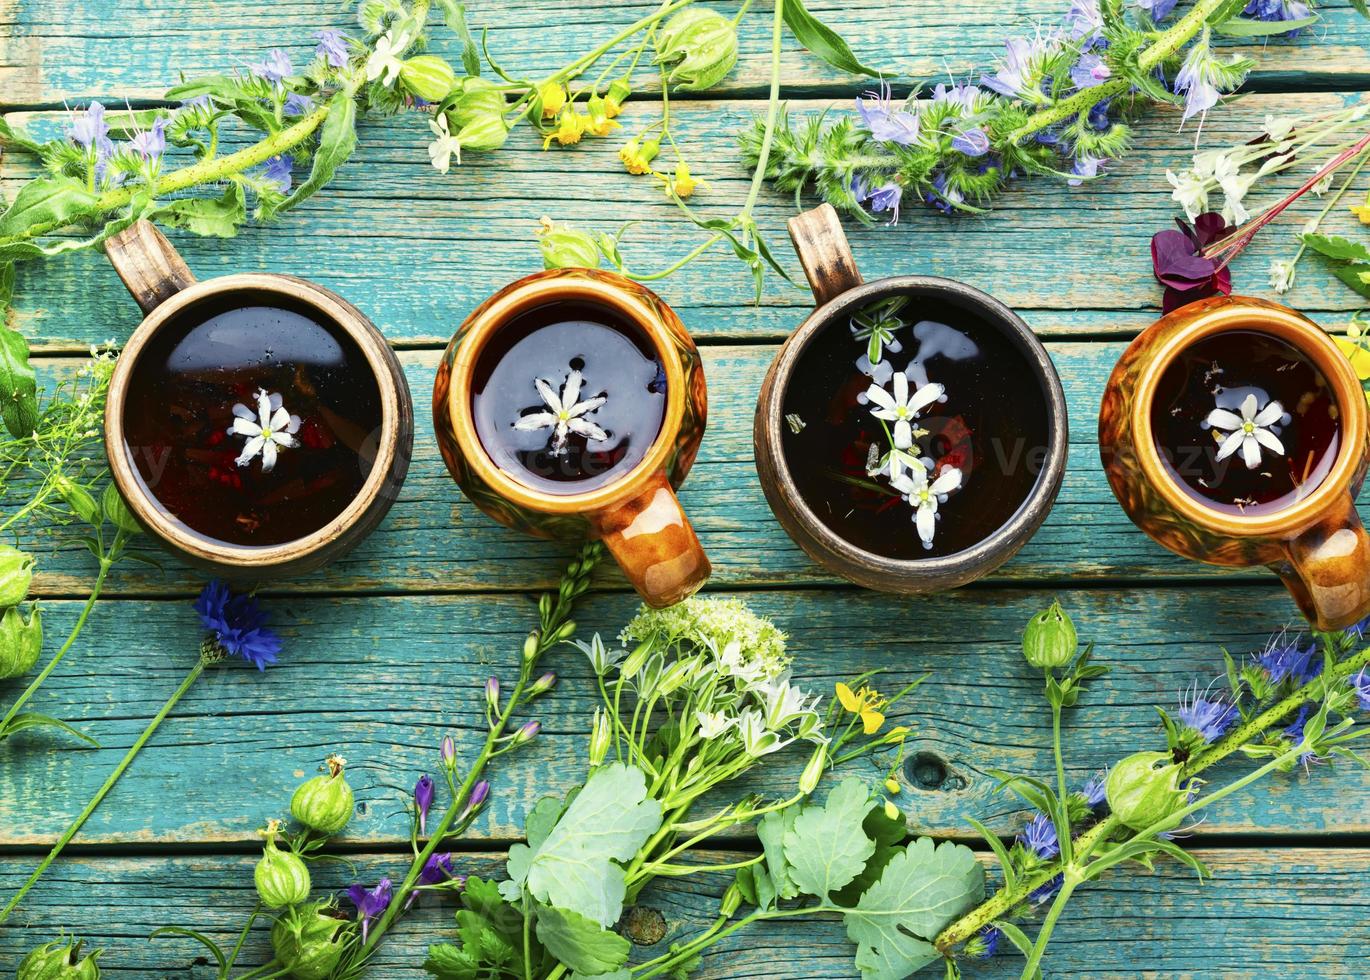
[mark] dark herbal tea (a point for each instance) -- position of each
(568, 397)
(251, 420)
(1245, 422)
(919, 431)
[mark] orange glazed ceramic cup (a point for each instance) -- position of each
(1316, 544)
(637, 515)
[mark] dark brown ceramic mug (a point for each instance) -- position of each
(169, 295)
(841, 294)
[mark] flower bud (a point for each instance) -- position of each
(325, 802)
(637, 156)
(732, 900)
(483, 133)
(599, 738)
(892, 811)
(563, 632)
(308, 941)
(564, 247)
(1049, 639)
(479, 794)
(423, 799)
(280, 876)
(448, 753)
(16, 574)
(478, 97)
(892, 786)
(813, 772)
(527, 732)
(702, 45)
(427, 76)
(635, 660)
(492, 694)
(1144, 789)
(530, 647)
(542, 685)
(80, 501)
(59, 961)
(619, 90)
(21, 640)
(552, 95)
(117, 512)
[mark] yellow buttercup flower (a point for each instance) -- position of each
(1359, 357)
(570, 128)
(1362, 211)
(866, 702)
(682, 184)
(553, 96)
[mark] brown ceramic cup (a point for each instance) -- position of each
(637, 515)
(839, 291)
(1317, 544)
(164, 287)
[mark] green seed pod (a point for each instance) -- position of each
(117, 512)
(477, 97)
(308, 942)
(427, 76)
(485, 132)
(21, 640)
(702, 46)
(600, 739)
(59, 961)
(619, 90)
(732, 900)
(325, 802)
(80, 501)
(280, 876)
(813, 772)
(16, 574)
(564, 247)
(1049, 639)
(1144, 789)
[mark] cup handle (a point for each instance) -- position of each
(653, 542)
(824, 253)
(152, 270)
(1327, 568)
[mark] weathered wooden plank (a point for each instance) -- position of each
(417, 250)
(1279, 912)
(381, 680)
(436, 540)
(73, 49)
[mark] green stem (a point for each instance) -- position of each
(242, 938)
(1039, 948)
(772, 113)
(103, 791)
(1063, 842)
(1332, 202)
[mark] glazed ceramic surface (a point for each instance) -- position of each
(1317, 545)
(638, 515)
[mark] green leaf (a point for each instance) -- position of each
(6, 289)
(1338, 248)
(1019, 940)
(775, 881)
(585, 946)
(455, 15)
(215, 217)
(1357, 280)
(822, 40)
(1362, 7)
(337, 140)
(827, 848)
(448, 962)
(1242, 27)
(619, 974)
(575, 867)
(226, 88)
(888, 834)
(29, 719)
(12, 136)
(48, 201)
(18, 384)
(997, 846)
(923, 889)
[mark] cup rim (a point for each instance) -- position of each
(1234, 313)
(1026, 518)
(632, 300)
(252, 557)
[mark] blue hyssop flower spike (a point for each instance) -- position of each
(238, 625)
(1283, 658)
(91, 132)
(275, 68)
(1210, 720)
(1094, 790)
(278, 171)
(332, 48)
(1039, 836)
(1361, 685)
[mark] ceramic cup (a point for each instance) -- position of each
(839, 292)
(164, 287)
(1316, 543)
(637, 514)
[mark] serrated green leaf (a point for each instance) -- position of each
(1357, 280)
(448, 962)
(822, 40)
(925, 887)
(774, 880)
(1243, 27)
(575, 867)
(887, 833)
(1339, 248)
(826, 848)
(583, 945)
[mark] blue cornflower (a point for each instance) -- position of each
(1039, 836)
(278, 171)
(1361, 685)
(886, 198)
(973, 142)
(150, 144)
(1094, 790)
(91, 132)
(1210, 720)
(1283, 658)
(332, 48)
(297, 104)
(238, 625)
(370, 903)
(275, 68)
(886, 123)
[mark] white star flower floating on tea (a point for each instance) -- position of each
(924, 497)
(268, 431)
(1249, 431)
(567, 413)
(902, 407)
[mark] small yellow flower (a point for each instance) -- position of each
(1362, 211)
(553, 96)
(637, 157)
(682, 185)
(1357, 355)
(570, 128)
(600, 122)
(866, 702)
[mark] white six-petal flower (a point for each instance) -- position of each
(923, 497)
(384, 62)
(268, 431)
(902, 408)
(567, 413)
(1248, 431)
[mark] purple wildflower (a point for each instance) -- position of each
(1094, 790)
(1045, 892)
(332, 47)
(90, 130)
(973, 142)
(1282, 658)
(275, 67)
(238, 625)
(886, 123)
(1210, 720)
(1274, 11)
(1197, 80)
(1361, 685)
(1086, 168)
(1019, 74)
(1295, 728)
(1157, 10)
(1089, 71)
(1358, 630)
(297, 104)
(1039, 836)
(1084, 19)
(423, 799)
(150, 144)
(942, 197)
(448, 753)
(885, 198)
(1098, 115)
(988, 942)
(436, 870)
(370, 903)
(479, 794)
(492, 692)
(962, 95)
(278, 171)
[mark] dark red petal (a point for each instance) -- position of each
(1174, 262)
(1209, 227)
